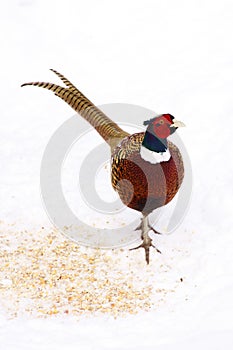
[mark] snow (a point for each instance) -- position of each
(170, 56)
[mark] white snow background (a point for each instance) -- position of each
(169, 56)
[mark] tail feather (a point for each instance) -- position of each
(109, 130)
(71, 86)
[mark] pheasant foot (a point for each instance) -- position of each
(146, 240)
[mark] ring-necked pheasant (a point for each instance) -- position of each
(147, 169)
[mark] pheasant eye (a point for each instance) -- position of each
(161, 121)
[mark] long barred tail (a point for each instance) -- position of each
(109, 130)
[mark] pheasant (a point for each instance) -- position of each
(146, 169)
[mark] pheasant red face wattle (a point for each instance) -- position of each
(162, 128)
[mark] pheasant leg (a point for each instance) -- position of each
(146, 240)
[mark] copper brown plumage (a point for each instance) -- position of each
(142, 184)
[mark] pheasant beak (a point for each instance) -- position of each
(177, 123)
